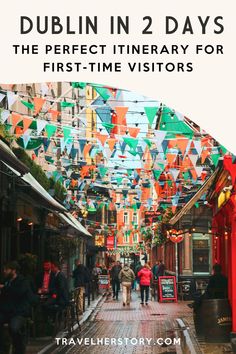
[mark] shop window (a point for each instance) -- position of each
(201, 256)
(126, 238)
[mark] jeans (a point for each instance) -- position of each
(144, 289)
(17, 329)
(126, 289)
(115, 287)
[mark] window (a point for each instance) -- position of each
(135, 237)
(126, 218)
(135, 218)
(126, 237)
(201, 255)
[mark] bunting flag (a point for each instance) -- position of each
(120, 115)
(182, 145)
(156, 174)
(54, 114)
(102, 171)
(67, 132)
(82, 143)
(26, 123)
(65, 104)
(40, 126)
(134, 132)
(131, 142)
(5, 115)
(175, 173)
(11, 98)
(38, 104)
(148, 142)
(50, 130)
(103, 92)
(26, 139)
(198, 147)
(80, 85)
(215, 159)
(151, 113)
(15, 119)
(108, 126)
(2, 96)
(111, 143)
(102, 138)
(28, 104)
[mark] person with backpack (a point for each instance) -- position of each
(126, 276)
(115, 282)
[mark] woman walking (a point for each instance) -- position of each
(145, 276)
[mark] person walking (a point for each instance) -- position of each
(145, 276)
(81, 279)
(115, 270)
(16, 299)
(126, 277)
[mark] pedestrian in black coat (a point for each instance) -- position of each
(16, 298)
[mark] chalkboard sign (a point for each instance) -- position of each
(167, 288)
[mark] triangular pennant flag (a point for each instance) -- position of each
(107, 152)
(122, 146)
(26, 139)
(69, 145)
(108, 126)
(65, 104)
(4, 115)
(111, 143)
(182, 145)
(134, 132)
(198, 146)
(66, 132)
(151, 113)
(131, 142)
(156, 174)
(26, 123)
(87, 149)
(63, 144)
(204, 155)
(148, 142)
(198, 170)
(18, 131)
(38, 104)
(215, 159)
(193, 158)
(102, 138)
(11, 98)
(171, 157)
(15, 119)
(40, 125)
(121, 113)
(80, 85)
(82, 143)
(2, 96)
(54, 114)
(28, 104)
(46, 143)
(103, 171)
(103, 92)
(175, 173)
(50, 130)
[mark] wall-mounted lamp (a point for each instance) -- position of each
(19, 219)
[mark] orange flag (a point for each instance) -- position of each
(87, 148)
(15, 119)
(121, 112)
(204, 155)
(102, 138)
(171, 158)
(111, 143)
(26, 123)
(18, 132)
(38, 104)
(54, 114)
(134, 132)
(182, 145)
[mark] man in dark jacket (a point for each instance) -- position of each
(115, 270)
(45, 280)
(81, 279)
(15, 302)
(161, 269)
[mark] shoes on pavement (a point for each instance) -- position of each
(123, 303)
(113, 297)
(128, 303)
(141, 303)
(146, 303)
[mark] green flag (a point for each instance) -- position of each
(132, 142)
(108, 125)
(51, 130)
(66, 132)
(151, 113)
(215, 159)
(28, 104)
(67, 104)
(156, 174)
(103, 171)
(103, 93)
(148, 142)
(80, 85)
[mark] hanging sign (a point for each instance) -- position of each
(167, 288)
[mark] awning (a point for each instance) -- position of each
(7, 156)
(38, 189)
(72, 221)
(204, 189)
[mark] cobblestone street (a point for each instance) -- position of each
(136, 321)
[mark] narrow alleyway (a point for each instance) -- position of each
(155, 322)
